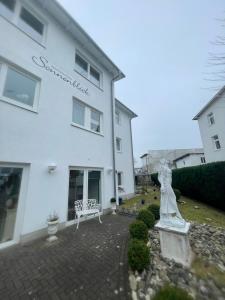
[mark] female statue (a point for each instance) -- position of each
(169, 213)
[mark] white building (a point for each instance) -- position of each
(151, 160)
(58, 138)
(190, 160)
(211, 120)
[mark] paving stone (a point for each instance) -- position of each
(88, 263)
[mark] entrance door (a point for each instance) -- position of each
(83, 184)
(10, 182)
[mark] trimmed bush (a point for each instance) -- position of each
(154, 208)
(147, 217)
(138, 255)
(204, 183)
(177, 193)
(138, 230)
(172, 293)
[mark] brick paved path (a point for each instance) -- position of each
(90, 263)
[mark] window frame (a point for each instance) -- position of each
(214, 140)
(90, 65)
(11, 12)
(120, 143)
(210, 117)
(203, 161)
(87, 117)
(3, 77)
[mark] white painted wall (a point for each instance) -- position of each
(207, 131)
(193, 159)
(124, 159)
(46, 136)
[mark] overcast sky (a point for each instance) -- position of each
(162, 47)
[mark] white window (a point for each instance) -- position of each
(119, 179)
(211, 119)
(19, 88)
(117, 116)
(78, 113)
(95, 120)
(31, 24)
(86, 117)
(118, 144)
(216, 142)
(86, 69)
(202, 159)
(7, 8)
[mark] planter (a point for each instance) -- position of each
(114, 209)
(52, 230)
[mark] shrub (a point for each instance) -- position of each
(113, 200)
(138, 230)
(138, 255)
(147, 217)
(177, 193)
(155, 208)
(172, 293)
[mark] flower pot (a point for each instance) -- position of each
(52, 230)
(114, 208)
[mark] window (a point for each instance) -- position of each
(87, 70)
(117, 116)
(216, 142)
(202, 159)
(31, 25)
(119, 178)
(82, 65)
(211, 119)
(118, 144)
(78, 113)
(7, 8)
(95, 120)
(86, 116)
(19, 88)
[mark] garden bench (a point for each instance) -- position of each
(91, 208)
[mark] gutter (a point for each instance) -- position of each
(113, 136)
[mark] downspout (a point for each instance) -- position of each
(132, 152)
(113, 137)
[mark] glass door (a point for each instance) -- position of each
(83, 184)
(10, 182)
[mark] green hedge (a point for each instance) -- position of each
(205, 183)
(139, 230)
(138, 255)
(172, 293)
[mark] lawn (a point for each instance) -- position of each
(202, 214)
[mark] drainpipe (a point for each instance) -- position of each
(113, 137)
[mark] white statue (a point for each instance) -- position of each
(169, 213)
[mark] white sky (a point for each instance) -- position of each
(162, 47)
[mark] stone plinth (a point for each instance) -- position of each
(175, 243)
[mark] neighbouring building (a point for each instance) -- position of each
(151, 160)
(211, 120)
(190, 160)
(63, 136)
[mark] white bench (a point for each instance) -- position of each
(92, 208)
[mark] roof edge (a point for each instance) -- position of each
(124, 107)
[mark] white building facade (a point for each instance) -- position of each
(211, 120)
(57, 112)
(190, 160)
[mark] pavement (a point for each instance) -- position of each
(88, 263)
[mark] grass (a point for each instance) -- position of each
(204, 214)
(204, 270)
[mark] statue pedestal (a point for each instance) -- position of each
(175, 243)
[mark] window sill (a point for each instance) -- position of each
(98, 87)
(16, 26)
(86, 129)
(14, 103)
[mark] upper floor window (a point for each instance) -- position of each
(86, 117)
(211, 119)
(31, 24)
(7, 8)
(86, 69)
(216, 142)
(19, 87)
(118, 144)
(202, 159)
(117, 116)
